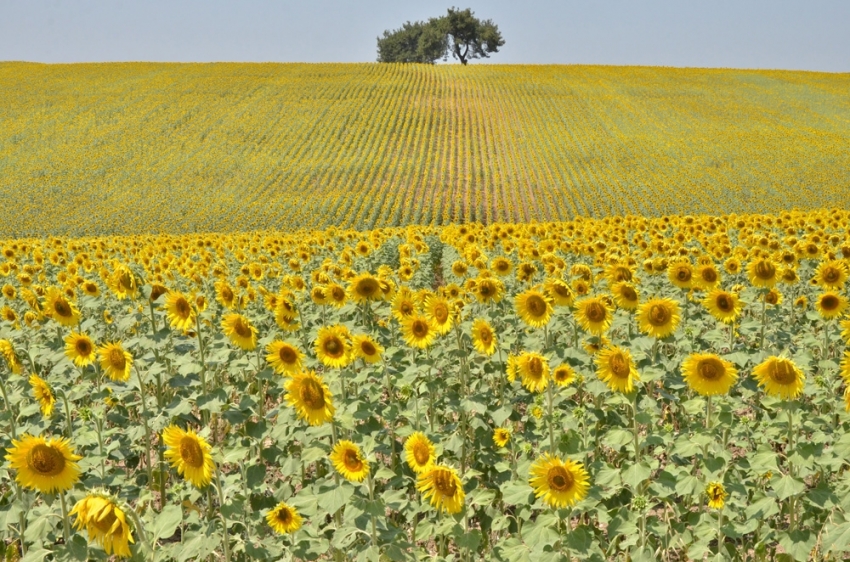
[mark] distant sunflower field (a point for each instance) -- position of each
(625, 388)
(139, 148)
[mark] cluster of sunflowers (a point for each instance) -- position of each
(627, 373)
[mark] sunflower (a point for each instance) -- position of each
(625, 295)
(534, 307)
(831, 274)
(780, 377)
(225, 295)
(419, 452)
(365, 288)
(594, 315)
(723, 305)
(7, 350)
(616, 369)
(483, 337)
(157, 290)
(658, 317)
(189, 453)
(107, 317)
(333, 346)
(59, 308)
(115, 361)
(80, 349)
(789, 276)
(716, 495)
(534, 370)
(43, 395)
(707, 277)
(511, 367)
(709, 375)
(240, 331)
(418, 331)
(179, 309)
(284, 519)
(442, 486)
(845, 368)
(502, 266)
(46, 465)
(311, 398)
(563, 375)
(801, 302)
(284, 357)
(501, 436)
(831, 305)
(367, 349)
(348, 460)
(559, 483)
(459, 268)
(105, 522)
(318, 295)
(488, 290)
(559, 291)
(763, 273)
(773, 297)
(681, 274)
(439, 312)
(336, 295)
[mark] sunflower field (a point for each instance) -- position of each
(138, 148)
(635, 388)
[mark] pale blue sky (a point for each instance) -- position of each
(788, 34)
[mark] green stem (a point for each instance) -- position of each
(763, 309)
(66, 524)
(635, 428)
(99, 426)
(720, 537)
(13, 424)
(792, 504)
(226, 539)
(140, 530)
(148, 465)
(551, 418)
(68, 421)
(372, 499)
(708, 413)
(732, 335)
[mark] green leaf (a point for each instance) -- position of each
(469, 540)
(636, 474)
(787, 486)
(617, 438)
(166, 522)
(335, 498)
(798, 543)
(517, 494)
(837, 538)
(256, 474)
(762, 509)
(580, 540)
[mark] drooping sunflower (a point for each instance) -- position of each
(349, 461)
(831, 274)
(419, 452)
(845, 368)
(658, 317)
(284, 358)
(7, 351)
(284, 519)
(441, 485)
(58, 307)
(189, 453)
(80, 349)
(43, 395)
(723, 305)
(105, 522)
(240, 331)
(318, 295)
(311, 398)
(708, 374)
(439, 312)
(534, 370)
(594, 315)
(716, 495)
(616, 368)
(559, 291)
(563, 375)
(418, 331)
(365, 288)
(483, 337)
(625, 295)
(46, 465)
(367, 349)
(333, 346)
(831, 305)
(763, 273)
(115, 361)
(534, 308)
(179, 309)
(501, 436)
(559, 483)
(780, 377)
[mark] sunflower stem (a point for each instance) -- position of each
(140, 530)
(148, 465)
(99, 426)
(708, 413)
(225, 540)
(635, 427)
(66, 525)
(68, 420)
(551, 397)
(372, 499)
(826, 340)
(22, 516)
(763, 310)
(732, 335)
(719, 530)
(13, 425)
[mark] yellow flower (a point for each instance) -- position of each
(105, 522)
(831, 305)
(559, 291)
(189, 453)
(418, 331)
(780, 377)
(80, 349)
(311, 398)
(439, 312)
(594, 315)
(333, 346)
(284, 357)
(658, 317)
(180, 313)
(367, 348)
(681, 274)
(501, 436)
(404, 304)
(716, 495)
(365, 288)
(563, 375)
(831, 274)
(706, 278)
(59, 308)
(723, 305)
(488, 290)
(7, 350)
(534, 370)
(46, 465)
(284, 519)
(616, 369)
(763, 273)
(43, 395)
(483, 337)
(240, 331)
(773, 297)
(115, 361)
(559, 483)
(443, 487)
(625, 295)
(534, 308)
(709, 375)
(348, 460)
(419, 452)
(336, 295)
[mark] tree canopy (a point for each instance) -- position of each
(459, 32)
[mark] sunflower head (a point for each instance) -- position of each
(780, 377)
(534, 308)
(831, 305)
(563, 375)
(442, 486)
(310, 397)
(333, 346)
(559, 291)
(716, 495)
(115, 361)
(105, 522)
(349, 461)
(366, 348)
(615, 367)
(723, 305)
(79, 348)
(708, 374)
(284, 519)
(179, 310)
(418, 331)
(534, 370)
(659, 317)
(190, 454)
(594, 315)
(625, 295)
(483, 337)
(559, 483)
(501, 436)
(46, 465)
(240, 331)
(439, 312)
(419, 452)
(58, 307)
(43, 394)
(7, 351)
(763, 273)
(365, 288)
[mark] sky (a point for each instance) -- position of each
(779, 34)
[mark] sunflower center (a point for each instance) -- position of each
(441, 313)
(83, 347)
(287, 355)
(659, 315)
(535, 367)
(226, 294)
(191, 452)
(419, 328)
(334, 347)
(628, 293)
(772, 297)
(829, 302)
(485, 290)
(536, 305)
(367, 348)
(338, 294)
(560, 479)
(104, 523)
(683, 274)
(62, 308)
(831, 274)
(724, 303)
(352, 461)
(765, 270)
(284, 516)
(783, 373)
(444, 483)
(117, 359)
(709, 275)
(485, 336)
(241, 328)
(595, 312)
(406, 308)
(367, 287)
(45, 460)
(312, 394)
(710, 369)
(619, 366)
(422, 453)
(561, 290)
(182, 307)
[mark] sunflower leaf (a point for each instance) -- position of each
(636, 474)
(166, 522)
(788, 486)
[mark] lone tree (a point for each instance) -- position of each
(459, 32)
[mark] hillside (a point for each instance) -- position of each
(137, 148)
